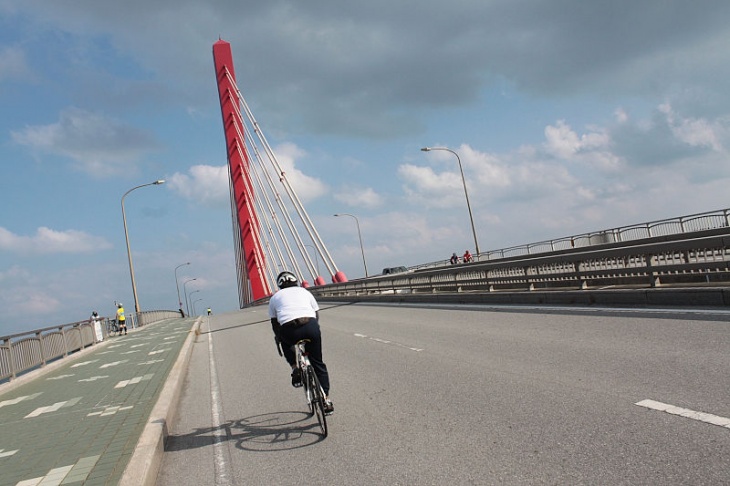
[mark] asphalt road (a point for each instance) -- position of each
(451, 396)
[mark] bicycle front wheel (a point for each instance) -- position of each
(318, 401)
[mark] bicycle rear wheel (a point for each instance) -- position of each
(318, 401)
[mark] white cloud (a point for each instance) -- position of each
(100, 146)
(563, 142)
(206, 184)
(359, 197)
(47, 241)
(692, 131)
(669, 137)
(423, 186)
(307, 188)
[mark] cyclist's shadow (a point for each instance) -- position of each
(270, 432)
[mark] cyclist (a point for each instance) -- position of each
(467, 258)
(121, 320)
(294, 314)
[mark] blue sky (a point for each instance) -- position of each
(569, 117)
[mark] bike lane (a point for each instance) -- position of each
(81, 422)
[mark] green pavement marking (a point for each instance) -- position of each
(76, 413)
(74, 473)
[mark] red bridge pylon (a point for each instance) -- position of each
(259, 234)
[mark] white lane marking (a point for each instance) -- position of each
(222, 468)
(19, 399)
(392, 343)
(152, 361)
(685, 412)
(94, 378)
(84, 363)
(53, 408)
(134, 380)
(59, 377)
(115, 363)
(109, 411)
(4, 453)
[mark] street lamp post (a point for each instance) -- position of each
(179, 302)
(359, 235)
(466, 194)
(316, 258)
(190, 299)
(195, 313)
(126, 237)
(185, 292)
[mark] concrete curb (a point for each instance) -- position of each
(145, 463)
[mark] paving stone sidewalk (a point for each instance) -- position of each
(80, 423)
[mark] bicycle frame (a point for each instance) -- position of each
(312, 388)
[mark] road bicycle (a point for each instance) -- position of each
(313, 391)
(111, 327)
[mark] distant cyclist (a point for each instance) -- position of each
(294, 314)
(121, 320)
(467, 258)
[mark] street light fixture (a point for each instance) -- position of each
(466, 194)
(179, 302)
(126, 237)
(359, 235)
(185, 292)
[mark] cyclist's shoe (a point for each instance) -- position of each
(296, 378)
(329, 409)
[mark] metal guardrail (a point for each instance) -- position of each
(693, 259)
(674, 226)
(26, 351)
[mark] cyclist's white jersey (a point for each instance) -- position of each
(292, 303)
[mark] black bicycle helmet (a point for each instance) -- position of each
(287, 279)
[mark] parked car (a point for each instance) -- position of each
(391, 270)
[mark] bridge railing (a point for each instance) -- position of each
(22, 352)
(665, 227)
(700, 258)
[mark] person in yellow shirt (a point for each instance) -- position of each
(121, 320)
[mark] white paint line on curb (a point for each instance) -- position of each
(222, 469)
(685, 412)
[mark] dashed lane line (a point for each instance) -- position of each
(391, 343)
(685, 412)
